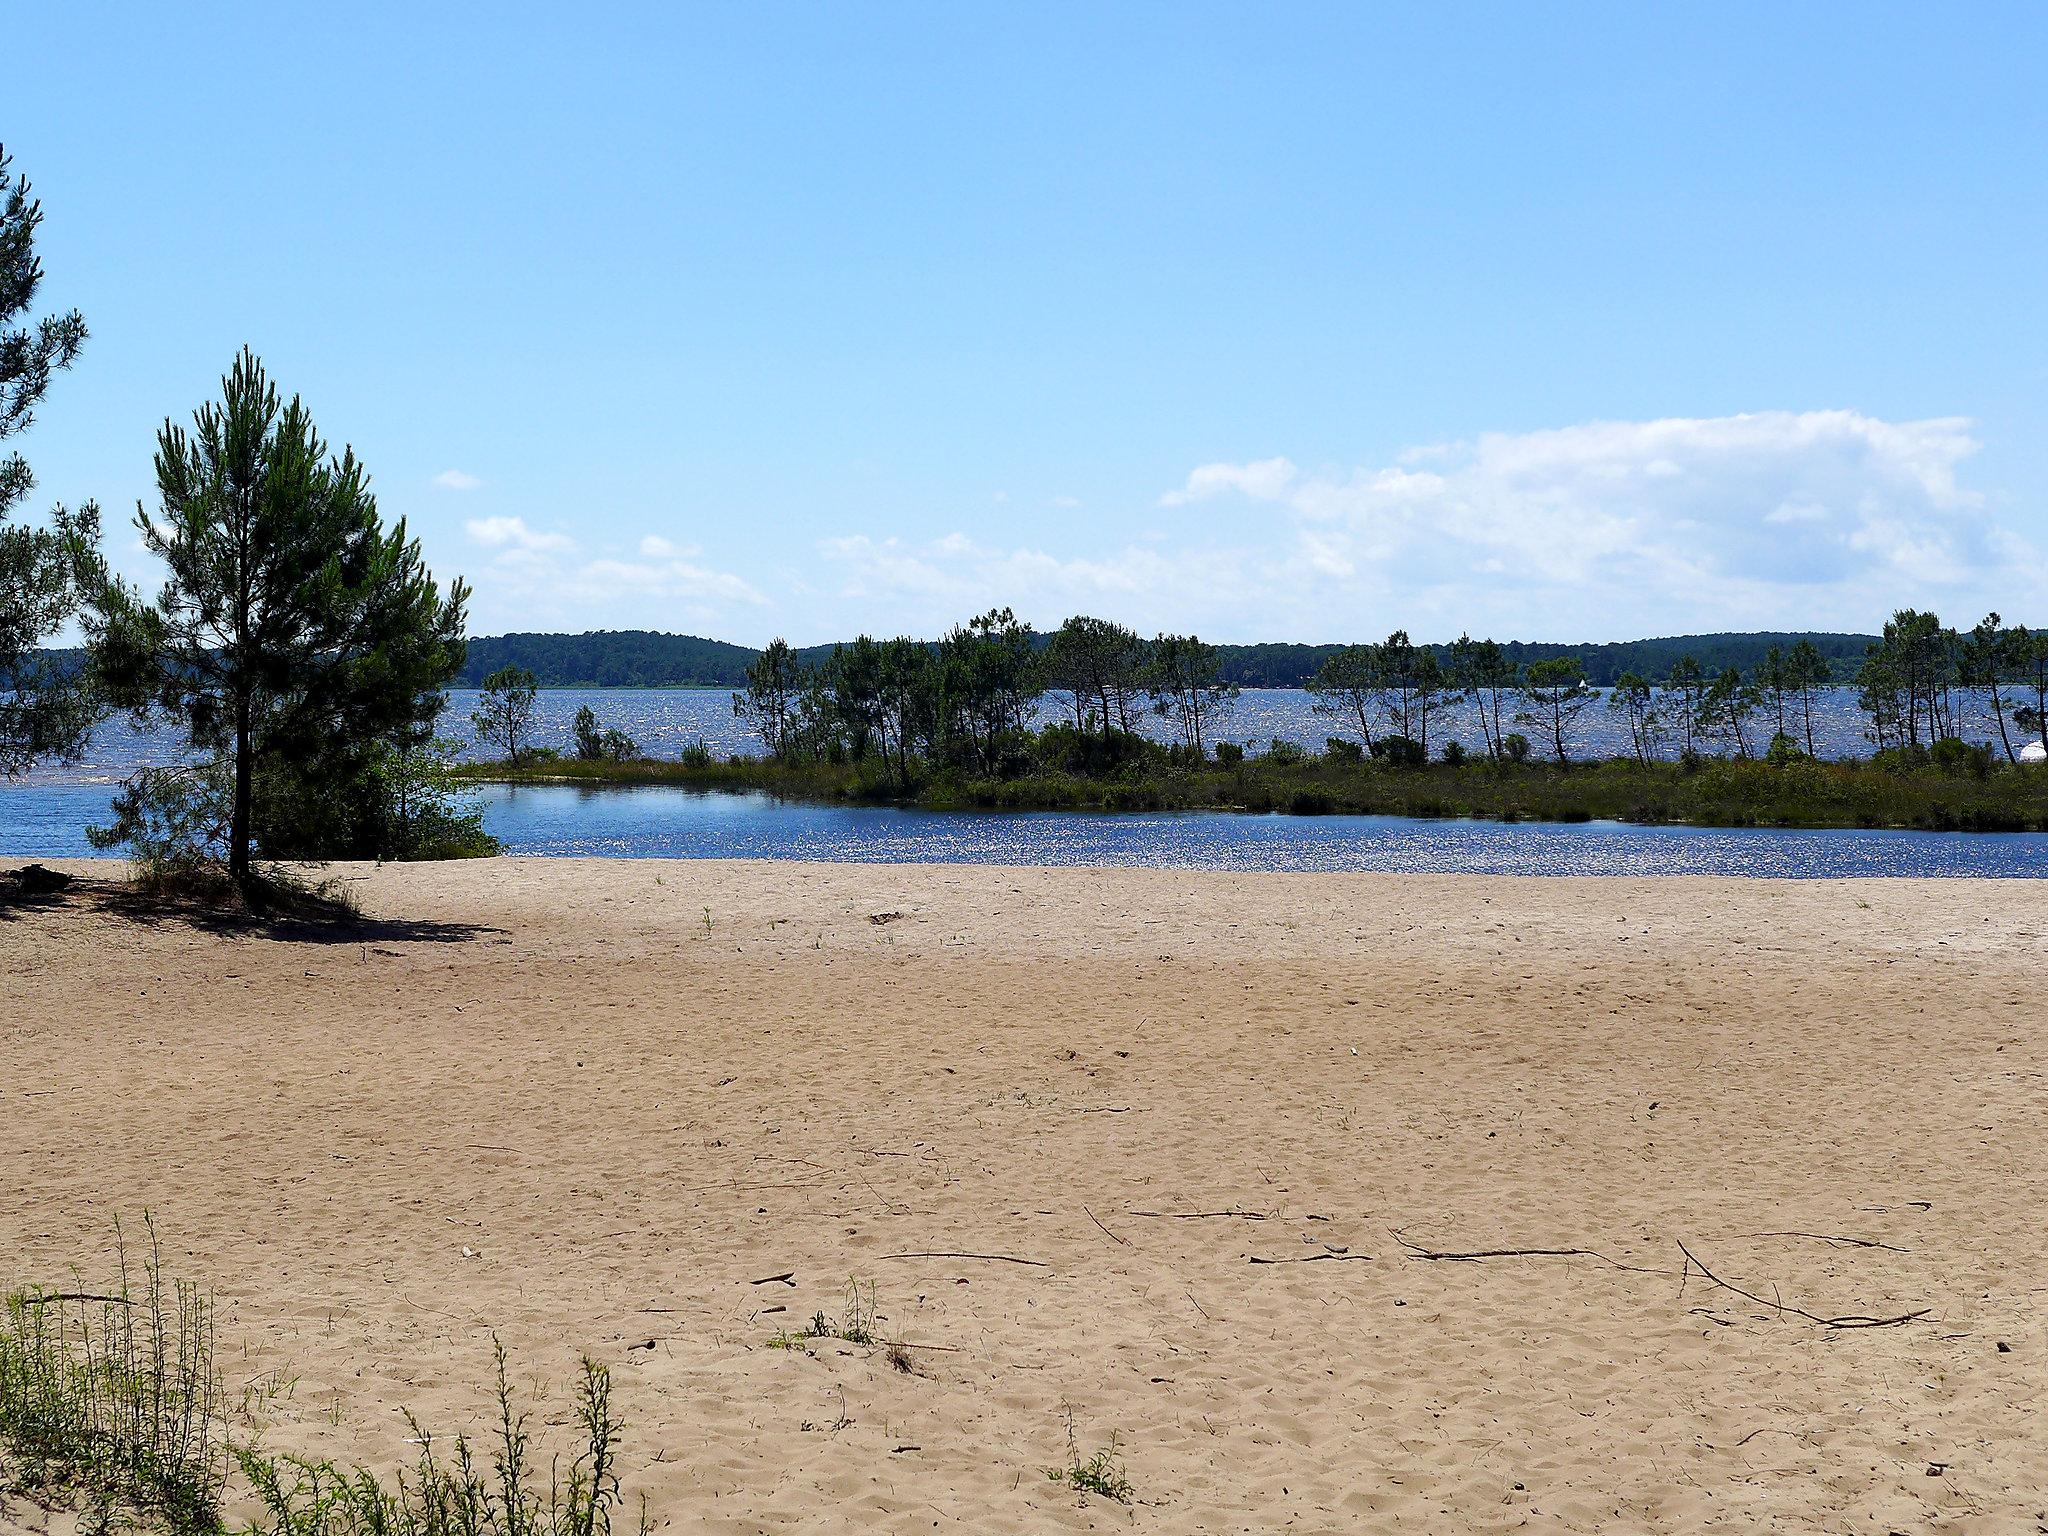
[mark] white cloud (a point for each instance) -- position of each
(667, 578)
(512, 533)
(922, 588)
(1777, 517)
(1265, 479)
(456, 480)
(536, 579)
(655, 547)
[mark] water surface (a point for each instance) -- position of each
(663, 822)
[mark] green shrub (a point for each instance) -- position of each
(1953, 755)
(1515, 746)
(1229, 754)
(1454, 753)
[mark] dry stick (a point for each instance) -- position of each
(1309, 1258)
(1473, 1256)
(1200, 1215)
(1123, 1241)
(1847, 1320)
(993, 1258)
(1834, 1240)
(44, 1298)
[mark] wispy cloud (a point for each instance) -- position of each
(927, 585)
(1263, 478)
(512, 533)
(456, 480)
(1819, 517)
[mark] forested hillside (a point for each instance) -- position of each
(638, 658)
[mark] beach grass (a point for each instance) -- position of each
(111, 1405)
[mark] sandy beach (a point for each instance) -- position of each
(1142, 1152)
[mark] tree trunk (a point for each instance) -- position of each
(238, 827)
(1998, 713)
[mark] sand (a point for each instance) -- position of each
(592, 1106)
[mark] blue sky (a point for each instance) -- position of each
(1271, 322)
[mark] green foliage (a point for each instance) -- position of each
(1634, 702)
(1337, 750)
(112, 1399)
(456, 1495)
(293, 628)
(173, 821)
(1783, 750)
(854, 1325)
(46, 707)
(1515, 747)
(1229, 754)
(1101, 1473)
(503, 717)
(1898, 789)
(644, 659)
(389, 801)
(1454, 753)
(1101, 667)
(1557, 695)
(769, 704)
(1400, 752)
(1184, 677)
(1953, 755)
(609, 745)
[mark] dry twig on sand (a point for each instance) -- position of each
(1200, 1215)
(1836, 1240)
(993, 1258)
(1309, 1258)
(1846, 1320)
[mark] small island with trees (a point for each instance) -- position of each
(955, 725)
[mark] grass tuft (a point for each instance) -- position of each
(111, 1402)
(111, 1399)
(1101, 1474)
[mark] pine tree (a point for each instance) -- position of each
(294, 631)
(44, 709)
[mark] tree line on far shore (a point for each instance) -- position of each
(638, 658)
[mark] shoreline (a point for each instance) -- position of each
(1804, 795)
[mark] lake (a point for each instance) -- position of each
(48, 820)
(46, 814)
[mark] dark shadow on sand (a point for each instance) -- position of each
(289, 916)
